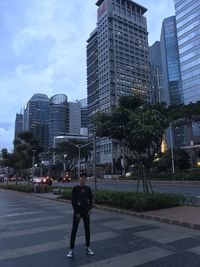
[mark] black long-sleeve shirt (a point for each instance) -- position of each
(82, 199)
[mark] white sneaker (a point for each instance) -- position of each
(70, 254)
(89, 251)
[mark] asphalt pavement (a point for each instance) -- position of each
(181, 187)
(35, 230)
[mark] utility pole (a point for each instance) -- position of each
(172, 148)
(79, 160)
(94, 164)
(33, 163)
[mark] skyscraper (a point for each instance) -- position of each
(58, 117)
(19, 123)
(172, 91)
(188, 30)
(74, 117)
(156, 73)
(84, 113)
(36, 118)
(117, 62)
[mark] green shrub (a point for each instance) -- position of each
(139, 201)
(134, 201)
(25, 187)
(66, 194)
(126, 200)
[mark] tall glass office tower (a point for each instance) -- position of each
(19, 122)
(36, 118)
(74, 117)
(118, 51)
(172, 91)
(170, 63)
(188, 30)
(156, 73)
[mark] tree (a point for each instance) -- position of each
(8, 159)
(138, 126)
(141, 127)
(71, 150)
(184, 114)
(181, 160)
(25, 147)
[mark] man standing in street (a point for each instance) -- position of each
(82, 205)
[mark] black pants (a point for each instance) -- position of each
(86, 220)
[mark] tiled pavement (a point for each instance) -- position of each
(34, 232)
(186, 216)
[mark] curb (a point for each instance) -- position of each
(136, 214)
(151, 217)
(122, 211)
(170, 182)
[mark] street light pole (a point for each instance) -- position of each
(33, 163)
(172, 148)
(79, 160)
(94, 167)
(64, 163)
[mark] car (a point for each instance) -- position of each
(64, 178)
(2, 178)
(47, 180)
(41, 180)
(90, 177)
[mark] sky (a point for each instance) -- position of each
(43, 50)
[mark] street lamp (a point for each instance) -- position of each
(79, 160)
(171, 143)
(94, 166)
(33, 163)
(79, 155)
(64, 163)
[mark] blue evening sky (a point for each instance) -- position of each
(43, 50)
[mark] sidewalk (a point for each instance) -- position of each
(186, 216)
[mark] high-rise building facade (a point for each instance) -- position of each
(117, 62)
(156, 73)
(36, 118)
(92, 78)
(188, 30)
(58, 117)
(172, 91)
(19, 124)
(74, 117)
(84, 113)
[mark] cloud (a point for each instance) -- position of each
(43, 50)
(6, 135)
(157, 11)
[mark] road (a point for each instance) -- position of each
(35, 232)
(186, 189)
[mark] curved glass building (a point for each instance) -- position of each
(58, 117)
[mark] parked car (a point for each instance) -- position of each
(2, 178)
(41, 180)
(64, 178)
